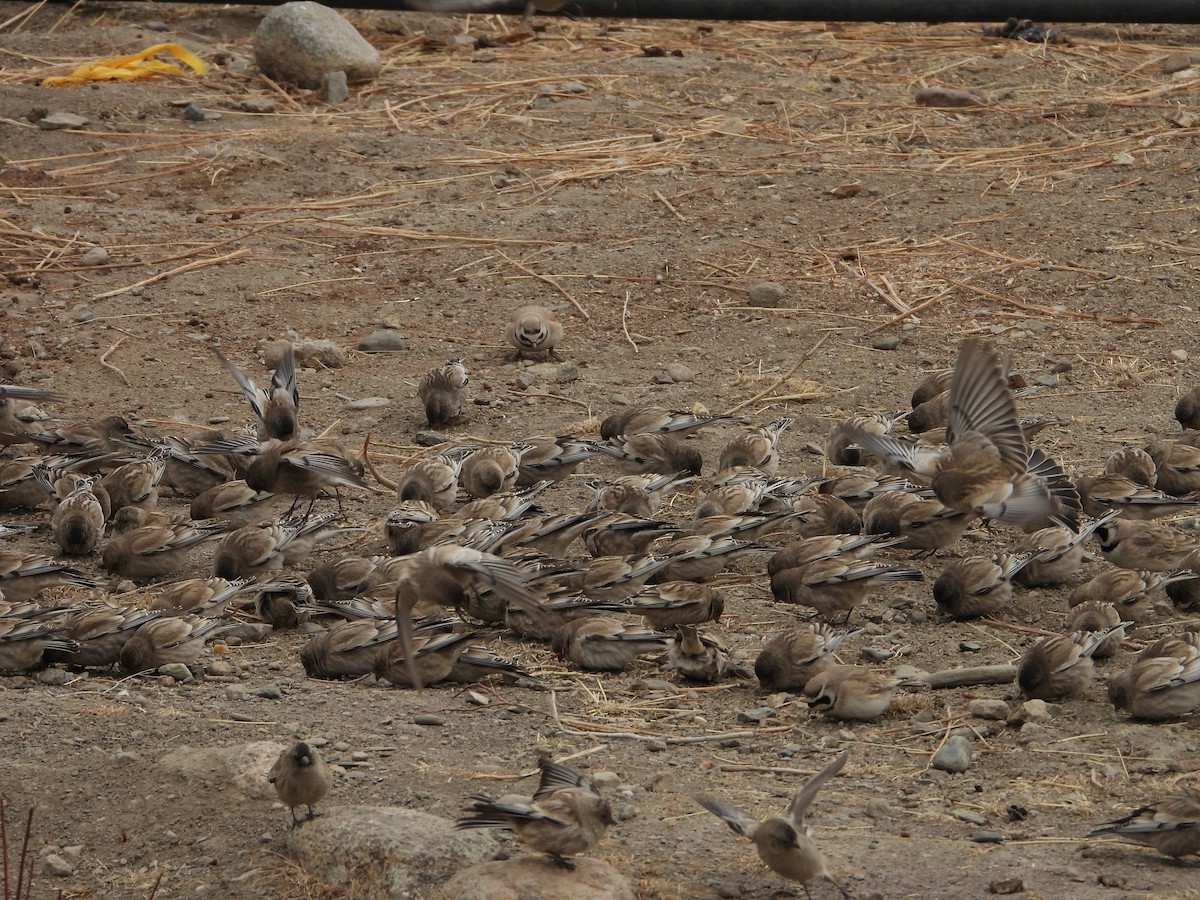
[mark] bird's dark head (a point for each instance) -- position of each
(1107, 536)
(302, 754)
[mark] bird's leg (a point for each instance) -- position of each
(312, 814)
(404, 625)
(562, 862)
(295, 822)
(845, 893)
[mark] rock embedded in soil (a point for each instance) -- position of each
(767, 295)
(242, 766)
(535, 876)
(61, 120)
(96, 256)
(302, 41)
(382, 341)
(386, 851)
(953, 756)
(984, 708)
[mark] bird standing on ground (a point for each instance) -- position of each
(443, 390)
(784, 843)
(301, 778)
(534, 329)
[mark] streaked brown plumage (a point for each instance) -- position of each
(790, 659)
(24, 643)
(490, 470)
(1061, 666)
(168, 639)
(442, 391)
(432, 479)
(566, 816)
(1145, 545)
(758, 447)
(1159, 688)
(434, 658)
(1093, 615)
(835, 585)
(534, 329)
(698, 657)
(602, 644)
(1100, 493)
(25, 575)
(672, 603)
(301, 778)
(278, 407)
(153, 551)
(1177, 467)
(646, 452)
(1129, 591)
(100, 635)
(978, 585)
(639, 419)
(552, 458)
(1133, 463)
(77, 523)
(784, 842)
(134, 484)
(1171, 825)
(237, 503)
(851, 693)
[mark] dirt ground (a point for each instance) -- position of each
(642, 194)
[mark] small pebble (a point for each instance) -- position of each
(967, 815)
(1179, 355)
(752, 716)
(382, 341)
(60, 120)
(269, 692)
(97, 256)
(983, 708)
(1049, 381)
(55, 677)
(567, 373)
(887, 343)
(970, 646)
(953, 756)
(987, 837)
(428, 719)
(57, 866)
(194, 112)
(429, 438)
(767, 295)
(678, 372)
(178, 671)
(605, 779)
(369, 403)
(334, 88)
(1007, 886)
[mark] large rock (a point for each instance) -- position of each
(301, 42)
(243, 766)
(387, 851)
(535, 877)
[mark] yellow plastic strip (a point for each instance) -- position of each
(132, 68)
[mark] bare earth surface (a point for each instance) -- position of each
(642, 196)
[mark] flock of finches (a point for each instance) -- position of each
(499, 559)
